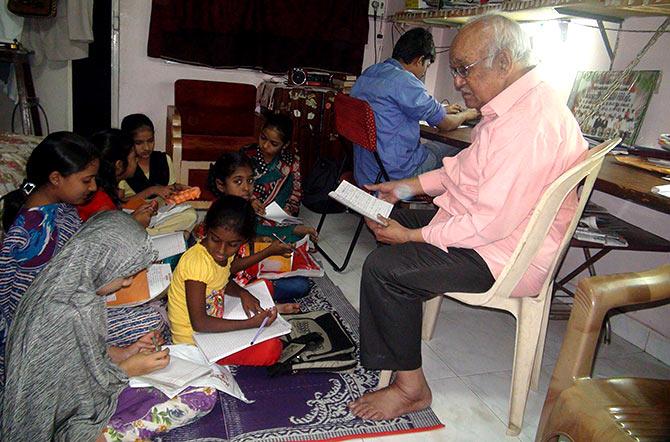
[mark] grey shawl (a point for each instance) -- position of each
(61, 384)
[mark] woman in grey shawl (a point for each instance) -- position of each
(61, 381)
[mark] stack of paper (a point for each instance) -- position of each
(663, 190)
(167, 211)
(588, 231)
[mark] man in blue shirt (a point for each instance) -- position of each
(399, 100)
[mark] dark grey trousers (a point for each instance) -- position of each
(395, 282)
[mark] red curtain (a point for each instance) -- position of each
(272, 36)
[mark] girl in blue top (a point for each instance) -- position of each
(40, 217)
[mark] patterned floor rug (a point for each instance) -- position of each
(301, 407)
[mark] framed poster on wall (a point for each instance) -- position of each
(622, 113)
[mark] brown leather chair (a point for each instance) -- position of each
(616, 409)
(208, 119)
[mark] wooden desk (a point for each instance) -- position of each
(458, 137)
(632, 184)
(625, 182)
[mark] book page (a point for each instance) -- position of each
(232, 306)
(219, 345)
(361, 201)
(169, 244)
(275, 213)
(178, 373)
(146, 285)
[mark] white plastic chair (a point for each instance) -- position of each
(531, 313)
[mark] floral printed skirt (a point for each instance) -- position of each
(142, 413)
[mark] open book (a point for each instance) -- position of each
(146, 285)
(216, 346)
(361, 201)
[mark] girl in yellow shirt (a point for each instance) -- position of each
(202, 276)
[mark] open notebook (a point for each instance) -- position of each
(178, 373)
(361, 201)
(219, 345)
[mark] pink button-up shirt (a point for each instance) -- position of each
(526, 139)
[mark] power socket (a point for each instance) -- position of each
(379, 5)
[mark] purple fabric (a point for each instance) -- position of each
(304, 406)
(134, 404)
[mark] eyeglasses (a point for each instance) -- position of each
(463, 71)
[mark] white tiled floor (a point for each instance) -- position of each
(468, 363)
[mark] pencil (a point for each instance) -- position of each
(154, 341)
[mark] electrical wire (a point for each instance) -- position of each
(23, 127)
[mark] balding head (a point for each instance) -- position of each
(490, 52)
(502, 33)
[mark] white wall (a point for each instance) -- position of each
(146, 85)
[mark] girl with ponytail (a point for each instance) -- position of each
(39, 217)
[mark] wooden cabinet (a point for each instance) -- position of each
(312, 111)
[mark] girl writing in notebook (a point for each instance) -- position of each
(63, 382)
(154, 175)
(40, 216)
(232, 174)
(195, 296)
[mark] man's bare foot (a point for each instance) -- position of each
(408, 393)
(288, 308)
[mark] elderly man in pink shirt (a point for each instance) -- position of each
(485, 195)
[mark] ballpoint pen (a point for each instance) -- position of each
(260, 329)
(154, 340)
(292, 248)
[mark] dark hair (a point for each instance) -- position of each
(62, 152)
(113, 145)
(416, 42)
(234, 213)
(133, 122)
(225, 167)
(281, 123)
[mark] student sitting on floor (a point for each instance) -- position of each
(39, 217)
(232, 174)
(119, 161)
(203, 274)
(154, 175)
(63, 383)
(276, 165)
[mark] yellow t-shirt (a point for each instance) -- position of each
(194, 265)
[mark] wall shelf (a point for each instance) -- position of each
(538, 10)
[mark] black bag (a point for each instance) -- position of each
(317, 342)
(323, 178)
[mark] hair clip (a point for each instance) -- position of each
(28, 187)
